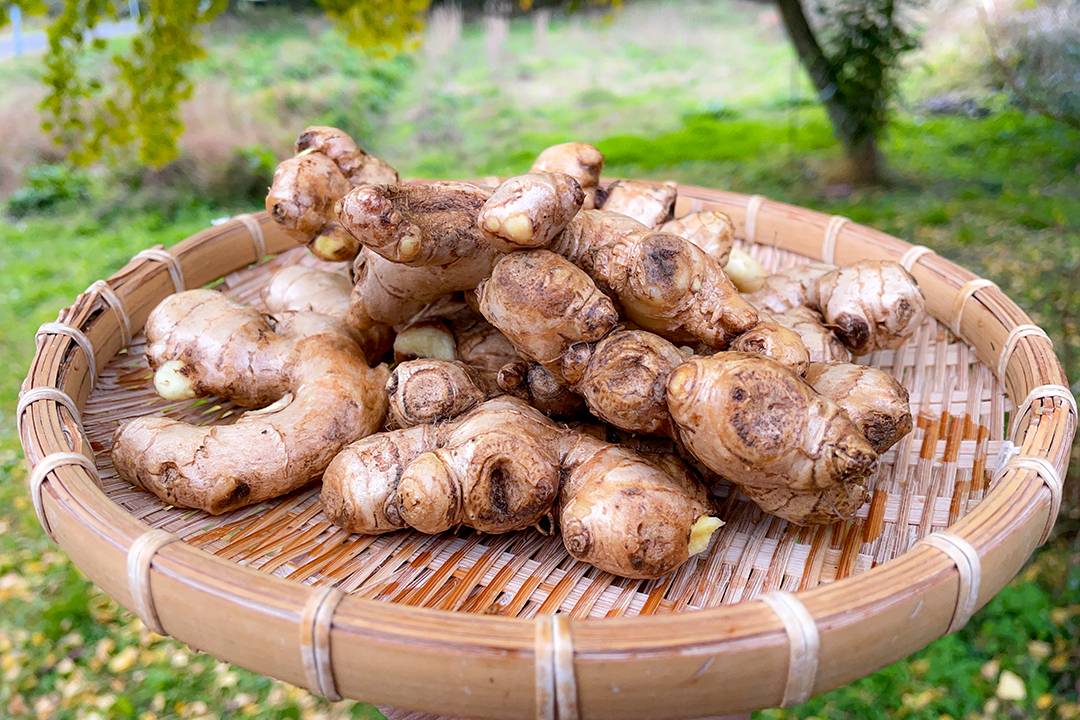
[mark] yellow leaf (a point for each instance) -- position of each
(1010, 687)
(125, 660)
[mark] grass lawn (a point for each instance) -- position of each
(1000, 196)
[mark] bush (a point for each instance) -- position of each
(47, 186)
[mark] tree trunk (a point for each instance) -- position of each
(860, 142)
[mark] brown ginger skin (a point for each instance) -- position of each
(324, 397)
(650, 203)
(528, 211)
(874, 400)
(579, 160)
(306, 187)
(418, 224)
(757, 424)
(501, 468)
(811, 507)
(790, 288)
(821, 343)
(302, 289)
(355, 164)
(428, 390)
(871, 305)
(773, 340)
(548, 308)
(664, 283)
(711, 231)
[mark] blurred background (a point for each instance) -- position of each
(954, 125)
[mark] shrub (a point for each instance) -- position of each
(47, 186)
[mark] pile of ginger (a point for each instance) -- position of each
(565, 354)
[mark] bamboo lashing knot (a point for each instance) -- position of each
(913, 255)
(969, 566)
(139, 558)
(960, 303)
(105, 290)
(56, 328)
(828, 244)
(44, 392)
(315, 628)
(170, 261)
(254, 228)
(1017, 334)
(752, 208)
(42, 470)
(803, 645)
(556, 682)
(1042, 392)
(1050, 477)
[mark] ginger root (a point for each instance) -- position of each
(664, 283)
(771, 339)
(757, 424)
(711, 231)
(821, 343)
(528, 211)
(328, 163)
(504, 467)
(650, 203)
(579, 160)
(874, 400)
(321, 395)
(871, 305)
(791, 288)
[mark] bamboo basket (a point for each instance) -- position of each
(510, 626)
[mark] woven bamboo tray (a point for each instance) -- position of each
(511, 626)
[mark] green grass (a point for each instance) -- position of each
(1000, 196)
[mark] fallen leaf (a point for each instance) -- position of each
(1010, 687)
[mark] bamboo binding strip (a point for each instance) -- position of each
(609, 667)
(804, 643)
(57, 328)
(315, 642)
(969, 567)
(139, 558)
(828, 243)
(37, 394)
(1050, 476)
(105, 290)
(255, 230)
(169, 261)
(1017, 334)
(966, 293)
(41, 472)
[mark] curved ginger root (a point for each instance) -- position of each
(756, 423)
(308, 290)
(872, 305)
(500, 469)
(528, 211)
(422, 224)
(790, 288)
(771, 339)
(821, 343)
(579, 160)
(711, 231)
(650, 203)
(323, 393)
(305, 188)
(665, 283)
(872, 398)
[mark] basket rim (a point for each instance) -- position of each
(1013, 510)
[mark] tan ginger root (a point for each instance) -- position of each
(820, 342)
(355, 164)
(418, 224)
(872, 398)
(430, 391)
(323, 395)
(306, 187)
(771, 339)
(871, 305)
(528, 211)
(811, 507)
(579, 160)
(650, 203)
(500, 468)
(790, 288)
(303, 289)
(711, 231)
(757, 424)
(548, 308)
(664, 283)
(538, 387)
